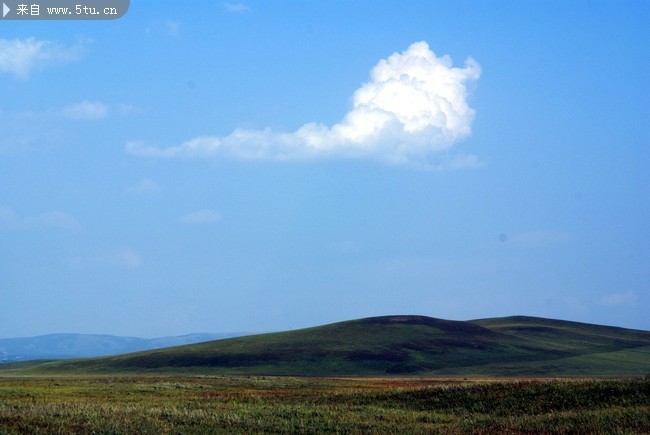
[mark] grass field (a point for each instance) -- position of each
(315, 405)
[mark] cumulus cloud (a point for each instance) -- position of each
(21, 56)
(9, 219)
(86, 111)
(414, 105)
(201, 217)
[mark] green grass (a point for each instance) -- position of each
(398, 346)
(185, 405)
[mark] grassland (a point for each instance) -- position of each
(315, 405)
(232, 386)
(394, 346)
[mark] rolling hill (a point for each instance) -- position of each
(399, 345)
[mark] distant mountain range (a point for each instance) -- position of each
(58, 346)
(399, 345)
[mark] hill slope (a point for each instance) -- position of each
(392, 345)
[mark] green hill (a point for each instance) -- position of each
(398, 345)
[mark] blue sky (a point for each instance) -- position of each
(270, 165)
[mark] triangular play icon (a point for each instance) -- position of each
(5, 10)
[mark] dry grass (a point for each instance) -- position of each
(315, 405)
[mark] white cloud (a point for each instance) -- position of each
(54, 219)
(86, 111)
(173, 27)
(618, 299)
(201, 217)
(9, 218)
(124, 259)
(129, 109)
(145, 186)
(458, 161)
(21, 56)
(236, 8)
(128, 259)
(414, 105)
(51, 219)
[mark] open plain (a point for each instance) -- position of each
(254, 404)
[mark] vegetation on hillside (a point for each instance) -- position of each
(398, 346)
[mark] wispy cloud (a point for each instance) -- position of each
(122, 258)
(415, 105)
(145, 186)
(86, 110)
(173, 27)
(24, 130)
(236, 8)
(538, 238)
(129, 109)
(9, 219)
(128, 259)
(619, 299)
(345, 247)
(201, 217)
(22, 56)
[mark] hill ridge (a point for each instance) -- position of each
(72, 345)
(400, 345)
